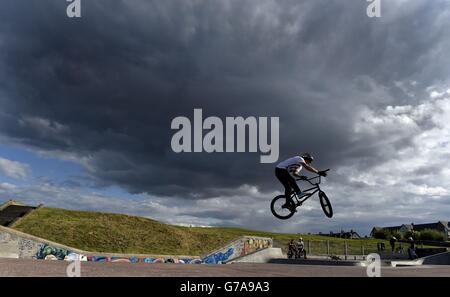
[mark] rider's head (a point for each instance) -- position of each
(307, 157)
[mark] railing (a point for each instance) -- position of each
(342, 248)
(353, 249)
(358, 249)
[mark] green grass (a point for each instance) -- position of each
(118, 233)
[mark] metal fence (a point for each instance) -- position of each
(352, 249)
(345, 248)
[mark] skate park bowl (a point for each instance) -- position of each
(19, 245)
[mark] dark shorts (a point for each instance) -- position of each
(287, 181)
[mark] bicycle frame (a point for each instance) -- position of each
(314, 189)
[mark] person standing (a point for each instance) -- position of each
(301, 249)
(412, 249)
(392, 242)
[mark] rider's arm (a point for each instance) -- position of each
(310, 168)
(296, 173)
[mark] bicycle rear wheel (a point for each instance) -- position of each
(281, 207)
(326, 205)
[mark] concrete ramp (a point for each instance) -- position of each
(262, 256)
(438, 259)
(238, 248)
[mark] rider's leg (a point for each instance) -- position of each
(294, 186)
(283, 176)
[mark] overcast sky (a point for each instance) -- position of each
(86, 106)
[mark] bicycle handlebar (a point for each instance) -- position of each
(317, 176)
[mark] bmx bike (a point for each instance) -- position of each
(283, 208)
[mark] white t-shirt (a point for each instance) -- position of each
(292, 165)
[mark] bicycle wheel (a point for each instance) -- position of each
(279, 207)
(326, 205)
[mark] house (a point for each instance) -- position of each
(402, 229)
(441, 226)
(343, 234)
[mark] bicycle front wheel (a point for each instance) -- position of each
(326, 205)
(282, 208)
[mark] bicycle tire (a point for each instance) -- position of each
(274, 211)
(326, 204)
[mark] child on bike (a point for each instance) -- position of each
(287, 170)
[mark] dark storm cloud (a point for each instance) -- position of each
(105, 87)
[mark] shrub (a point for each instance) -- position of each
(414, 234)
(396, 234)
(430, 234)
(381, 234)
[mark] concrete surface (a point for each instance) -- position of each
(263, 256)
(324, 262)
(438, 259)
(25, 267)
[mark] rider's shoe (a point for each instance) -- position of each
(301, 194)
(291, 206)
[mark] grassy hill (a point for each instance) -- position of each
(118, 233)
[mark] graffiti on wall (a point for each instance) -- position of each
(27, 248)
(75, 256)
(46, 252)
(252, 245)
(238, 248)
(219, 257)
(143, 260)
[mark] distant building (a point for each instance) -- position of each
(343, 234)
(402, 229)
(441, 226)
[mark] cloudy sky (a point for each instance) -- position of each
(86, 106)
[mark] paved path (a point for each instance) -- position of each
(16, 267)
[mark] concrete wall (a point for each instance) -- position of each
(8, 203)
(16, 244)
(13, 246)
(238, 248)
